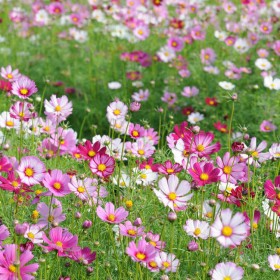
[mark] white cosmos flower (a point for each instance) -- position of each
(195, 117)
(241, 45)
(114, 85)
(226, 85)
(263, 64)
(271, 83)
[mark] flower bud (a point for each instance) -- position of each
(193, 246)
(137, 222)
(78, 215)
(20, 229)
(172, 216)
(87, 224)
(246, 136)
(195, 129)
(134, 106)
(237, 147)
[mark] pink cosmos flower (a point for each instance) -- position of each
(58, 109)
(140, 96)
(255, 219)
(152, 135)
(267, 126)
(5, 164)
(110, 215)
(23, 87)
(266, 28)
(31, 170)
(231, 169)
(197, 33)
(143, 252)
(272, 191)
(255, 156)
(167, 262)
(230, 230)
(204, 173)
(190, 91)
(55, 8)
(116, 110)
(228, 270)
(136, 131)
(4, 233)
(47, 149)
(47, 126)
(200, 144)
(276, 47)
(207, 56)
(141, 32)
(84, 256)
(48, 215)
(57, 183)
(102, 165)
(173, 194)
(154, 240)
(9, 267)
(197, 229)
(128, 229)
(9, 74)
(168, 168)
(142, 148)
(169, 98)
(61, 240)
(175, 43)
(23, 111)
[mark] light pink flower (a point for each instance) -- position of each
(228, 270)
(167, 262)
(128, 229)
(23, 87)
(143, 252)
(197, 229)
(110, 215)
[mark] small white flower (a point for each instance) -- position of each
(166, 54)
(241, 45)
(114, 85)
(263, 64)
(271, 83)
(193, 118)
(220, 35)
(226, 85)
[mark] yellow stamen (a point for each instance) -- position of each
(197, 231)
(204, 176)
(172, 196)
(28, 172)
(111, 217)
(140, 256)
(227, 231)
(57, 185)
(200, 148)
(101, 167)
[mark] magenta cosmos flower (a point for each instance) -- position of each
(142, 148)
(102, 165)
(227, 271)
(31, 170)
(230, 230)
(128, 229)
(173, 194)
(110, 215)
(204, 173)
(231, 170)
(168, 168)
(23, 87)
(57, 182)
(143, 252)
(61, 240)
(272, 191)
(9, 268)
(22, 111)
(267, 126)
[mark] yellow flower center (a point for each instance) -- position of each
(81, 189)
(227, 231)
(57, 185)
(91, 153)
(143, 176)
(204, 176)
(255, 154)
(166, 264)
(131, 232)
(101, 167)
(207, 56)
(15, 184)
(21, 114)
(197, 231)
(9, 76)
(209, 215)
(37, 192)
(58, 243)
(135, 133)
(147, 166)
(12, 268)
(153, 264)
(128, 203)
(9, 123)
(111, 218)
(28, 172)
(255, 225)
(140, 256)
(47, 128)
(30, 235)
(50, 218)
(141, 152)
(116, 112)
(140, 32)
(200, 148)
(23, 91)
(267, 128)
(227, 278)
(35, 214)
(57, 108)
(153, 243)
(172, 196)
(227, 169)
(170, 170)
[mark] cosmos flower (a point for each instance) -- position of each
(110, 215)
(197, 229)
(229, 229)
(102, 165)
(227, 271)
(143, 252)
(24, 87)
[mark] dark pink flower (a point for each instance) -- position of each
(143, 252)
(102, 165)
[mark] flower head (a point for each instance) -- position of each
(110, 215)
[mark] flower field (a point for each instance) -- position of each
(139, 139)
